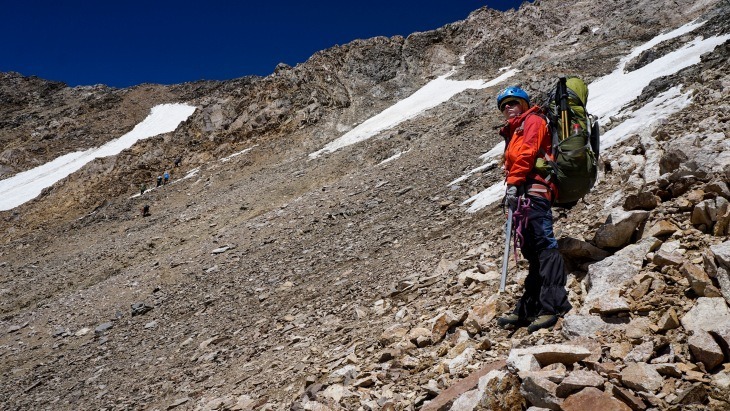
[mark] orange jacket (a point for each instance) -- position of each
(526, 139)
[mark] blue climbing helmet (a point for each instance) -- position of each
(512, 92)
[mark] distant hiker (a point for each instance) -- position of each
(167, 176)
(146, 210)
(159, 181)
(530, 197)
(178, 161)
(142, 189)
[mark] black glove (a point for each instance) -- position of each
(511, 196)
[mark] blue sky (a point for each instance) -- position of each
(124, 43)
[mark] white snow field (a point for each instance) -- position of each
(27, 185)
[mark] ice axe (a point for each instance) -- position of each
(505, 259)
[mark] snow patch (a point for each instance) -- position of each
(229, 158)
(27, 185)
(429, 96)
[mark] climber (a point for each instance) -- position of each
(159, 181)
(530, 197)
(142, 188)
(167, 177)
(146, 210)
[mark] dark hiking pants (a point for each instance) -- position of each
(545, 291)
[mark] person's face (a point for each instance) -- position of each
(511, 109)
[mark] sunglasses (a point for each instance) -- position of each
(509, 103)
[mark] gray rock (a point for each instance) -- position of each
(723, 279)
(140, 308)
(668, 320)
(523, 363)
(722, 336)
(221, 250)
(705, 349)
(701, 213)
(577, 380)
(718, 187)
(578, 325)
(551, 354)
(642, 200)
(15, 328)
(694, 394)
(707, 314)
(467, 401)
(641, 352)
(103, 327)
(619, 228)
(420, 336)
(721, 384)
(605, 278)
(458, 365)
(541, 392)
(578, 249)
(722, 253)
(641, 377)
(671, 160)
(662, 258)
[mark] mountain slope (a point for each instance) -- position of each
(272, 277)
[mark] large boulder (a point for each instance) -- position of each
(712, 215)
(708, 314)
(581, 250)
(550, 354)
(605, 278)
(722, 253)
(705, 349)
(641, 376)
(619, 228)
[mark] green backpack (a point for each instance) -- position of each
(575, 142)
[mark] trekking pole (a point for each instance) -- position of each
(563, 91)
(505, 259)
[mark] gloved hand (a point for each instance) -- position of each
(510, 197)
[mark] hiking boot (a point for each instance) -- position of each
(543, 321)
(509, 320)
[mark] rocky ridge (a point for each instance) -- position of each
(270, 281)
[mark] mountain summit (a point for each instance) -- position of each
(328, 237)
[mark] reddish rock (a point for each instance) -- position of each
(705, 349)
(629, 398)
(593, 399)
(443, 400)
